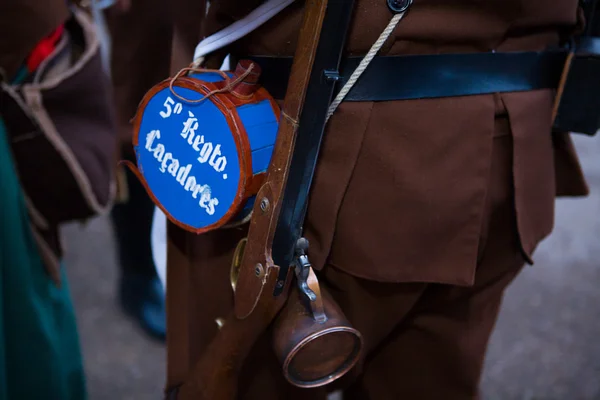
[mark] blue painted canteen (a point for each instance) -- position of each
(203, 142)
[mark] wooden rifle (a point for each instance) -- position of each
(304, 318)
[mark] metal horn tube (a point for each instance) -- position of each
(314, 353)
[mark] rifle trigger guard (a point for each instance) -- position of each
(308, 282)
(236, 263)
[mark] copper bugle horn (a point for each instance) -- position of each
(315, 352)
(312, 338)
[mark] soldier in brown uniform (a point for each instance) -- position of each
(421, 212)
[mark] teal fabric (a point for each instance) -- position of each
(39, 345)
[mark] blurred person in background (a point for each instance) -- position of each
(141, 294)
(135, 66)
(56, 157)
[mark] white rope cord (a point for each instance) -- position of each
(364, 63)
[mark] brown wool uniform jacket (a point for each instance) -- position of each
(400, 190)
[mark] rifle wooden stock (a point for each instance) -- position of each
(215, 376)
(312, 354)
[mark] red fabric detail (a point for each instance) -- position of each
(44, 48)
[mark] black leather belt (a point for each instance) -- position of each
(431, 76)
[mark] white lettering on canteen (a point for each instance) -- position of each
(168, 110)
(207, 201)
(181, 174)
(205, 152)
(208, 152)
(155, 134)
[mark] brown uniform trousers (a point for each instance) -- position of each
(421, 212)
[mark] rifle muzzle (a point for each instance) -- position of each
(315, 353)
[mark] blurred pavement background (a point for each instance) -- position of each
(546, 346)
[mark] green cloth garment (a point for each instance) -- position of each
(40, 356)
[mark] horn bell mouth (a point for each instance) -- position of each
(323, 357)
